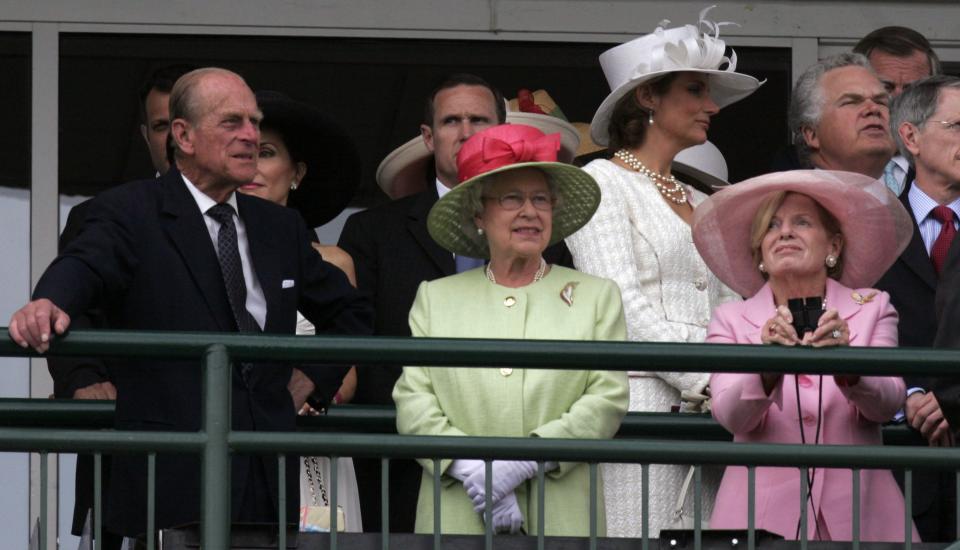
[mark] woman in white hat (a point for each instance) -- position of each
(666, 87)
(805, 246)
(514, 200)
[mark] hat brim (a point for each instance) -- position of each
(403, 171)
(706, 182)
(875, 226)
(451, 222)
(726, 87)
(330, 155)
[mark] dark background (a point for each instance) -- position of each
(15, 99)
(374, 87)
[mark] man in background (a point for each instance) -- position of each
(899, 56)
(839, 117)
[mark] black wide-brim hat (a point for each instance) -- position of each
(333, 165)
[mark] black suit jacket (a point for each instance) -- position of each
(947, 305)
(913, 284)
(144, 255)
(72, 373)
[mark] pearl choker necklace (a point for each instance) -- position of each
(536, 276)
(674, 193)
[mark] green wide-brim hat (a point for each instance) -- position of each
(451, 220)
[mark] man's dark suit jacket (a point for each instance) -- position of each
(393, 253)
(144, 255)
(73, 373)
(912, 284)
(947, 389)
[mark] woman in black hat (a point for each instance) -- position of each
(308, 162)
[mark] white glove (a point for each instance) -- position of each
(462, 468)
(507, 517)
(507, 476)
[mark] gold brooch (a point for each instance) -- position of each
(860, 299)
(567, 293)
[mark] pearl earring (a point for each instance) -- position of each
(480, 231)
(762, 268)
(831, 261)
(293, 185)
(650, 117)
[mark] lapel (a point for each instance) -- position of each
(268, 253)
(915, 257)
(757, 310)
(183, 223)
(417, 226)
(841, 299)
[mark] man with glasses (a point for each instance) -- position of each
(926, 125)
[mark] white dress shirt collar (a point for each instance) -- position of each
(256, 300)
(441, 189)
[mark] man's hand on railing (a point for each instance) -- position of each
(300, 387)
(30, 326)
(507, 475)
(923, 413)
(101, 390)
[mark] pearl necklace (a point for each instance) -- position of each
(536, 276)
(675, 193)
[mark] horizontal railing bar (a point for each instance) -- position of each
(677, 357)
(597, 450)
(66, 413)
(34, 440)
(56, 412)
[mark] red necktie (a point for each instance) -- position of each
(938, 254)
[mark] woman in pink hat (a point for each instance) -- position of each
(513, 201)
(666, 86)
(806, 246)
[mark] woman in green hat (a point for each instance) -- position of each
(513, 201)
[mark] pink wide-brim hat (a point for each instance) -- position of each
(875, 226)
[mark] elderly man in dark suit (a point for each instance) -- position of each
(186, 253)
(926, 128)
(87, 377)
(393, 254)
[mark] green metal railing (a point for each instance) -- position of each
(216, 441)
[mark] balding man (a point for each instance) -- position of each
(186, 253)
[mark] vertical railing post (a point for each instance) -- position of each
(215, 496)
(43, 500)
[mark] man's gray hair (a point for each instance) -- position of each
(185, 99)
(806, 103)
(917, 104)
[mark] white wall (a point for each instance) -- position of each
(14, 373)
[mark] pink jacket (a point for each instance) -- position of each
(851, 416)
